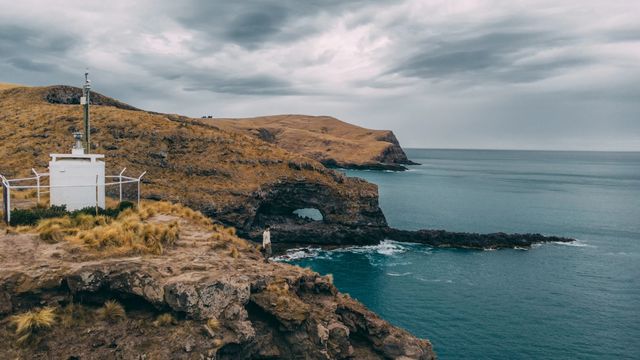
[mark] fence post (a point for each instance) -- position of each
(8, 187)
(120, 178)
(97, 194)
(37, 183)
(140, 179)
(5, 200)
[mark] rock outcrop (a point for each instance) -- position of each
(442, 238)
(328, 140)
(260, 310)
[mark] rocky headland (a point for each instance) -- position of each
(203, 294)
(328, 140)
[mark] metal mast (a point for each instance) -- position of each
(86, 99)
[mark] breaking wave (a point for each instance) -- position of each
(386, 248)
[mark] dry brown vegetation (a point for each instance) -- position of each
(188, 162)
(149, 229)
(165, 319)
(321, 138)
(29, 323)
(4, 86)
(213, 324)
(112, 312)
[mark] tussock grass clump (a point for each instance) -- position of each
(149, 209)
(217, 343)
(213, 324)
(234, 253)
(129, 235)
(142, 230)
(73, 314)
(32, 322)
(112, 312)
(165, 319)
(52, 234)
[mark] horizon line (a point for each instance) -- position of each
(506, 149)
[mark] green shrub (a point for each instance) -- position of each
(32, 216)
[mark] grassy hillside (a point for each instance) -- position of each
(323, 138)
(224, 173)
(4, 86)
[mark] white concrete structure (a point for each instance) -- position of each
(77, 180)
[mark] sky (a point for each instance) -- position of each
(512, 74)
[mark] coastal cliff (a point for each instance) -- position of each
(238, 179)
(206, 294)
(328, 140)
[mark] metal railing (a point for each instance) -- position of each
(8, 186)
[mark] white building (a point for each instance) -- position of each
(77, 180)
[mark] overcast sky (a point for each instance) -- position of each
(440, 74)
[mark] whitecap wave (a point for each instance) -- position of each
(386, 247)
(575, 243)
(399, 274)
(446, 281)
(298, 253)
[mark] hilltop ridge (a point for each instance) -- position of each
(326, 139)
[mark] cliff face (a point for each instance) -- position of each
(221, 304)
(240, 180)
(325, 139)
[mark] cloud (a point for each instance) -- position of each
(251, 85)
(30, 65)
(439, 73)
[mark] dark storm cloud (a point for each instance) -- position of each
(33, 49)
(487, 53)
(30, 65)
(241, 85)
(256, 23)
(194, 79)
(255, 27)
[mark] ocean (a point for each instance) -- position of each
(554, 301)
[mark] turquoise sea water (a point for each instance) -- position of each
(555, 301)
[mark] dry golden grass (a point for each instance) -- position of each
(205, 166)
(318, 137)
(112, 312)
(287, 303)
(135, 231)
(165, 319)
(73, 314)
(128, 234)
(234, 253)
(217, 343)
(54, 230)
(29, 323)
(213, 324)
(5, 86)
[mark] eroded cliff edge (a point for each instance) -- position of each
(224, 302)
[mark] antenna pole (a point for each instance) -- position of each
(86, 94)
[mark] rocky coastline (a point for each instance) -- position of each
(206, 296)
(337, 235)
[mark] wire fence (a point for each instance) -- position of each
(37, 183)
